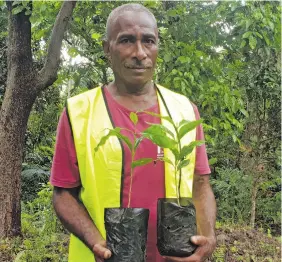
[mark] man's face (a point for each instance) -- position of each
(133, 47)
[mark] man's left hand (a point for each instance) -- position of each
(206, 246)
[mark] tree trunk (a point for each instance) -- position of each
(23, 86)
(14, 114)
(254, 201)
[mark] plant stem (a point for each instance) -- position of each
(131, 169)
(130, 187)
(177, 190)
(176, 164)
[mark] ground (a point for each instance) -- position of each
(235, 244)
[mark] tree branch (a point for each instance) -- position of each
(48, 74)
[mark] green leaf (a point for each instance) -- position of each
(259, 35)
(125, 139)
(247, 34)
(157, 134)
(248, 23)
(186, 128)
(244, 112)
(72, 52)
(234, 137)
(266, 38)
(182, 122)
(43, 7)
(167, 160)
(212, 161)
(134, 118)
(96, 36)
(27, 12)
(184, 59)
(167, 57)
(141, 162)
(17, 9)
(175, 152)
(183, 163)
(165, 129)
(103, 140)
(252, 42)
(186, 150)
(113, 132)
(137, 142)
(243, 44)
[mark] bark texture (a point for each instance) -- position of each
(24, 83)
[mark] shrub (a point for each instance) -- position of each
(44, 238)
(233, 195)
(269, 204)
(33, 177)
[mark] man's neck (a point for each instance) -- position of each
(134, 97)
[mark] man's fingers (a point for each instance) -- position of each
(97, 259)
(101, 251)
(199, 240)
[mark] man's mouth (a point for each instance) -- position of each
(137, 67)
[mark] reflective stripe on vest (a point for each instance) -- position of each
(102, 175)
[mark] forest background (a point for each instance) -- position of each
(224, 55)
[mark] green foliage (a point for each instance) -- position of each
(39, 142)
(269, 204)
(32, 181)
(42, 124)
(165, 138)
(44, 238)
(232, 190)
(193, 66)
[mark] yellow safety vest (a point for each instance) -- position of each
(101, 176)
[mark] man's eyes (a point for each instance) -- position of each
(125, 40)
(150, 41)
(146, 41)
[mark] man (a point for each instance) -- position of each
(131, 46)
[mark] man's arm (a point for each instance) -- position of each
(205, 205)
(204, 201)
(76, 219)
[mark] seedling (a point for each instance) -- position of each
(165, 138)
(133, 146)
(176, 221)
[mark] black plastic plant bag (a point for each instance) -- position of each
(175, 226)
(126, 233)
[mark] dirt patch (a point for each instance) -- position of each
(246, 245)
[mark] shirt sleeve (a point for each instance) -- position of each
(65, 172)
(202, 164)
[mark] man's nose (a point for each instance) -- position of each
(140, 52)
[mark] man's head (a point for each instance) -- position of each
(132, 43)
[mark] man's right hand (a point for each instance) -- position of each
(76, 219)
(101, 252)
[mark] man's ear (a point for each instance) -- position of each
(106, 47)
